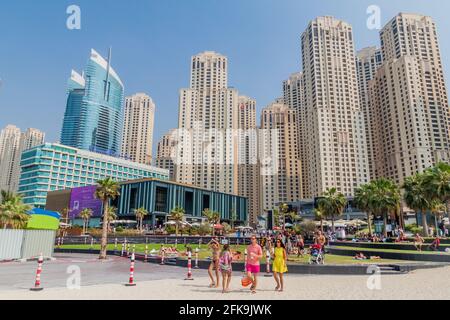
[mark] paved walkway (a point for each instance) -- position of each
(104, 280)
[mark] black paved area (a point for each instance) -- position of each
(21, 275)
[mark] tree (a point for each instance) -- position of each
(416, 198)
(284, 209)
(85, 214)
(212, 217)
(319, 213)
(437, 183)
(437, 209)
(233, 217)
(333, 204)
(140, 214)
(177, 215)
(112, 216)
(364, 202)
(13, 212)
(107, 190)
(385, 199)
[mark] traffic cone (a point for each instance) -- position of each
(37, 282)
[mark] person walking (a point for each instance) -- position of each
(226, 259)
(279, 266)
(255, 253)
(214, 245)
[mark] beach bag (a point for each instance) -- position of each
(246, 281)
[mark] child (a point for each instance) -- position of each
(225, 261)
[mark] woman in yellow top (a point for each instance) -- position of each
(279, 264)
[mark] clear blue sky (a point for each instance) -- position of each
(153, 41)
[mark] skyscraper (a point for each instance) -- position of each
(93, 117)
(208, 112)
(285, 184)
(12, 143)
(368, 60)
(294, 97)
(166, 153)
(334, 152)
(408, 97)
(137, 142)
(248, 162)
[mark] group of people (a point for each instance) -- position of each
(419, 243)
(222, 259)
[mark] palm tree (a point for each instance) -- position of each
(437, 183)
(319, 213)
(385, 199)
(85, 214)
(416, 198)
(107, 190)
(140, 214)
(177, 215)
(13, 212)
(333, 204)
(212, 217)
(112, 216)
(363, 201)
(284, 208)
(437, 209)
(233, 217)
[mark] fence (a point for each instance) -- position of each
(26, 244)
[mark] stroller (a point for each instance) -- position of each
(316, 255)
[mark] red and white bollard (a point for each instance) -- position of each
(131, 280)
(196, 258)
(163, 253)
(123, 250)
(245, 260)
(37, 282)
(146, 253)
(268, 274)
(189, 274)
(92, 243)
(115, 244)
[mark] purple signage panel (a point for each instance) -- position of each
(84, 198)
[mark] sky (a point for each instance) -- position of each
(153, 40)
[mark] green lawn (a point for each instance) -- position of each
(205, 253)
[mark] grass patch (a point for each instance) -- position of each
(358, 249)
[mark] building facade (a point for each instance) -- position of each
(334, 152)
(294, 97)
(248, 162)
(158, 197)
(166, 153)
(284, 184)
(409, 99)
(206, 156)
(93, 116)
(12, 143)
(368, 60)
(52, 167)
(137, 140)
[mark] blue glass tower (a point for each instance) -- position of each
(93, 117)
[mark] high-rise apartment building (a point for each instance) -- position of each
(368, 60)
(166, 153)
(409, 99)
(137, 141)
(285, 184)
(248, 162)
(294, 97)
(12, 143)
(208, 114)
(334, 153)
(93, 117)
